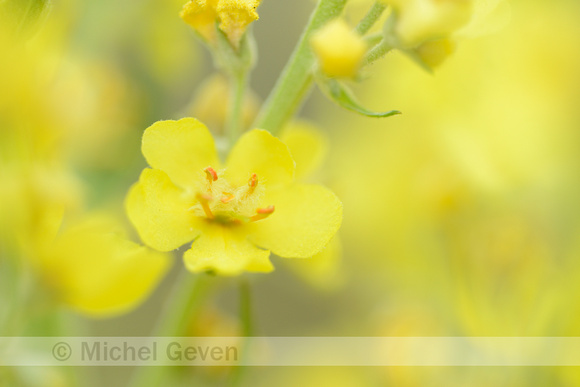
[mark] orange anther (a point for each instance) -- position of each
(267, 210)
(211, 174)
(262, 213)
(228, 197)
(253, 182)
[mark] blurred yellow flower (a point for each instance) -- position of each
(95, 269)
(420, 20)
(233, 16)
(209, 104)
(31, 196)
(339, 49)
(434, 52)
(252, 202)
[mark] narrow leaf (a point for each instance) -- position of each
(343, 97)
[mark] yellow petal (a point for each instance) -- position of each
(305, 219)
(339, 49)
(307, 145)
(160, 212)
(257, 151)
(181, 149)
(226, 251)
(97, 271)
(323, 270)
(235, 16)
(202, 16)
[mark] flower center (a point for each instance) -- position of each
(219, 201)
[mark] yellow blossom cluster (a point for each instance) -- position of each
(232, 17)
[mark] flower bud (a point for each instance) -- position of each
(418, 21)
(339, 50)
(435, 52)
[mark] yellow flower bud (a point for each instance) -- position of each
(435, 52)
(339, 50)
(422, 20)
(233, 16)
(211, 103)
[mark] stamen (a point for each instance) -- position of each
(228, 197)
(211, 174)
(253, 183)
(262, 213)
(204, 200)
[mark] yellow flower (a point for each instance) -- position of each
(95, 269)
(211, 103)
(339, 49)
(233, 16)
(237, 213)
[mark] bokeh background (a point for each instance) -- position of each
(461, 215)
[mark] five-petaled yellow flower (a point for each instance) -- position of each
(236, 213)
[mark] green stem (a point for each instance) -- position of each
(374, 39)
(377, 52)
(236, 104)
(246, 309)
(247, 330)
(296, 78)
(184, 302)
(371, 18)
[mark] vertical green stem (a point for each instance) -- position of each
(371, 18)
(246, 309)
(296, 78)
(247, 329)
(236, 103)
(183, 303)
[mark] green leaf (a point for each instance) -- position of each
(343, 97)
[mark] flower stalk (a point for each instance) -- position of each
(296, 78)
(247, 329)
(371, 17)
(185, 300)
(377, 52)
(238, 83)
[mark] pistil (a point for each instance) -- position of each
(204, 200)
